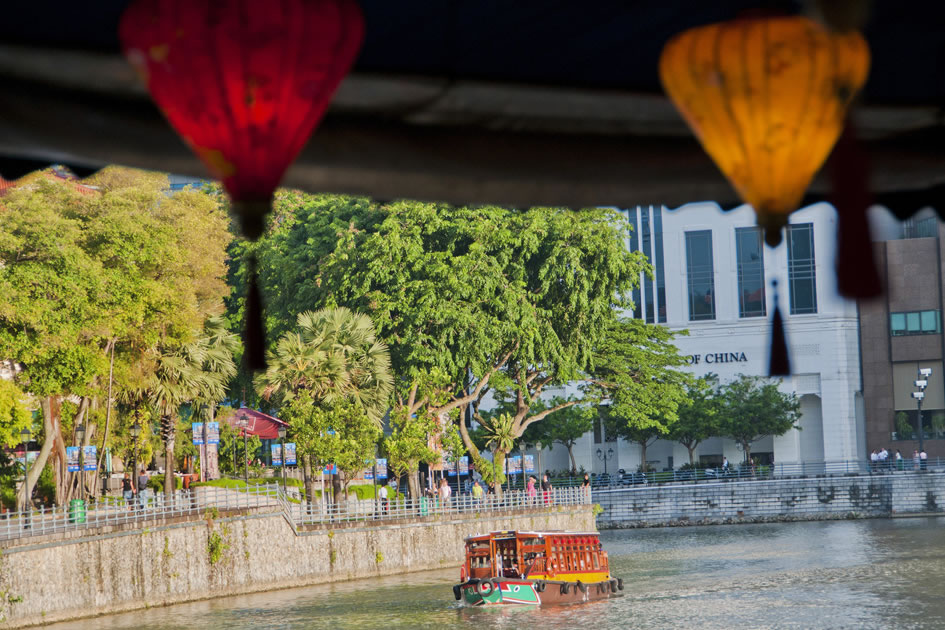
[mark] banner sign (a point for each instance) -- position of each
(290, 454)
(213, 433)
(530, 463)
(331, 469)
(463, 467)
(196, 429)
(89, 454)
(72, 458)
(276, 454)
(515, 464)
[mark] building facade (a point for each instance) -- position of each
(713, 277)
(901, 332)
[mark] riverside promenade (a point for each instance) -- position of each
(226, 542)
(890, 494)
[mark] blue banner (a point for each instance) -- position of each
(290, 454)
(72, 458)
(463, 467)
(196, 429)
(276, 454)
(331, 469)
(515, 465)
(213, 433)
(89, 455)
(530, 463)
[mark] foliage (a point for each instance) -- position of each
(14, 414)
(335, 356)
(637, 370)
(903, 426)
(341, 433)
(231, 448)
(698, 415)
(564, 427)
(753, 407)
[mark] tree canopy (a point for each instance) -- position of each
(754, 407)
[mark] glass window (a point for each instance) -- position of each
(647, 239)
(749, 252)
(658, 264)
(915, 323)
(701, 275)
(898, 323)
(635, 247)
(802, 274)
(930, 321)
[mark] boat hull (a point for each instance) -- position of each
(501, 591)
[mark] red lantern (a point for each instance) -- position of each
(244, 82)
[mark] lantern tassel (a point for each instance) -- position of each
(780, 362)
(849, 171)
(254, 337)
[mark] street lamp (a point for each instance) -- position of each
(135, 432)
(80, 438)
(601, 455)
(243, 424)
(282, 440)
(921, 383)
(25, 436)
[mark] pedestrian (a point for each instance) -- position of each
(532, 492)
(915, 460)
(923, 460)
(128, 491)
(546, 488)
(874, 460)
(898, 460)
(445, 492)
(382, 495)
(477, 493)
(143, 489)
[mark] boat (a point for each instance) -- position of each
(523, 567)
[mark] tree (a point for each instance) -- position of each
(698, 415)
(565, 426)
(92, 272)
(339, 433)
(232, 452)
(332, 358)
(753, 407)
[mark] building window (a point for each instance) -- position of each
(915, 323)
(802, 274)
(649, 299)
(701, 275)
(920, 228)
(751, 272)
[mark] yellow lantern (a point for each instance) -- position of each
(767, 98)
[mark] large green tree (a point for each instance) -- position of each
(754, 407)
(495, 298)
(698, 414)
(638, 373)
(93, 277)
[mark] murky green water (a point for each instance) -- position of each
(861, 574)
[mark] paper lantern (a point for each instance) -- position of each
(767, 98)
(243, 82)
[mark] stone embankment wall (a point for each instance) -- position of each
(122, 568)
(774, 500)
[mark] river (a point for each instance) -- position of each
(835, 574)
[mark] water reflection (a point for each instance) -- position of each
(848, 574)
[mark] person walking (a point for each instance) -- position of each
(532, 492)
(477, 493)
(546, 488)
(143, 489)
(898, 460)
(923, 460)
(915, 460)
(128, 491)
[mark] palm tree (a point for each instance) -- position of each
(334, 355)
(196, 372)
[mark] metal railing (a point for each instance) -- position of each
(156, 508)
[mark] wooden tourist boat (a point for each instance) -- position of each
(515, 567)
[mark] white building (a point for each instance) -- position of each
(713, 277)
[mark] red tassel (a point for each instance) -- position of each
(780, 362)
(849, 172)
(254, 336)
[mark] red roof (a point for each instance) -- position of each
(257, 423)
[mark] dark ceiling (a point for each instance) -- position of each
(478, 101)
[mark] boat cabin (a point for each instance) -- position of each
(536, 555)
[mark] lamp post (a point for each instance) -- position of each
(25, 436)
(921, 383)
(135, 432)
(601, 455)
(282, 441)
(80, 437)
(242, 424)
